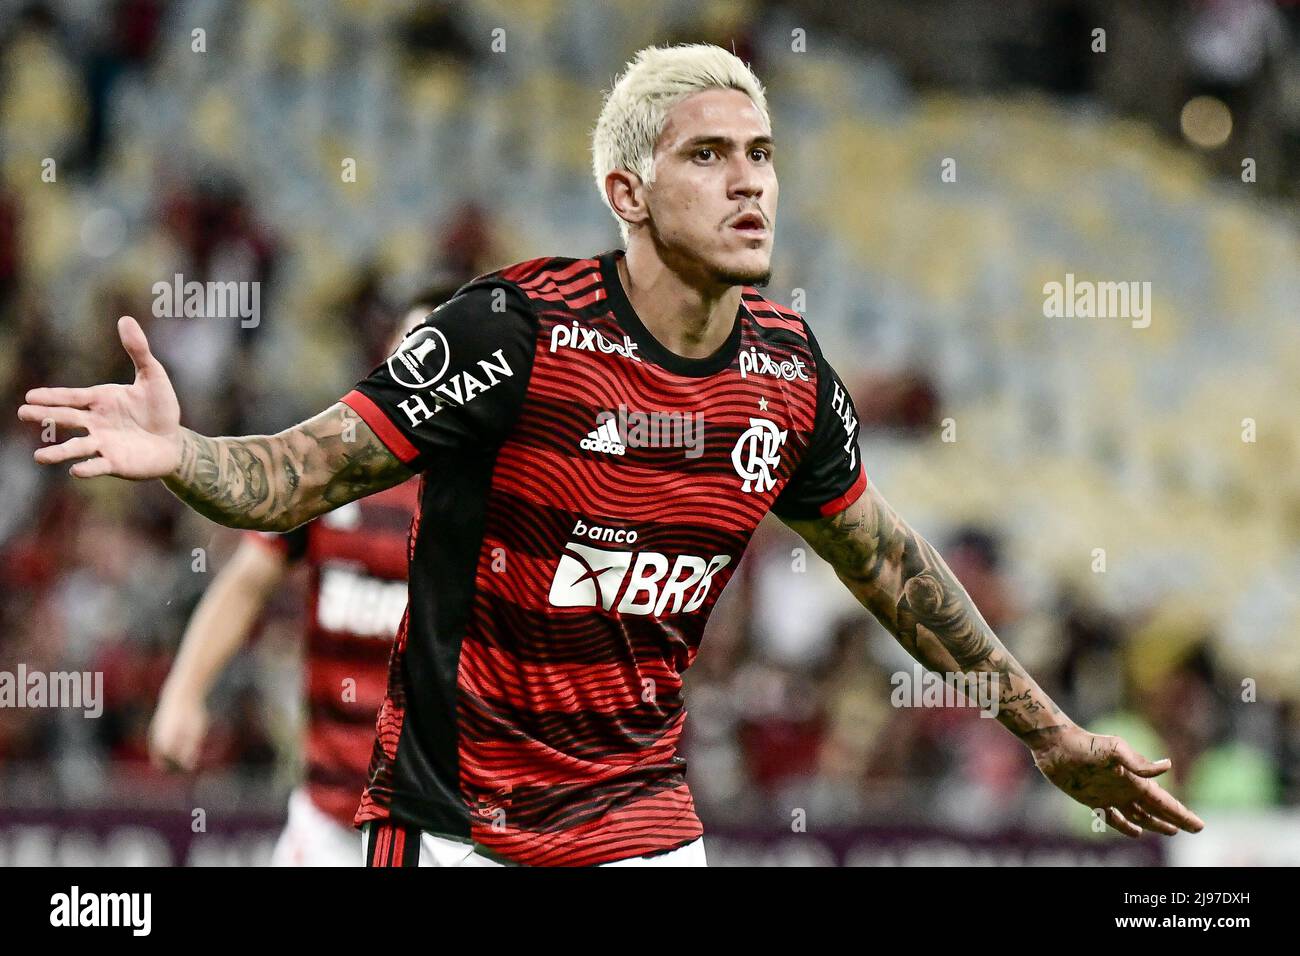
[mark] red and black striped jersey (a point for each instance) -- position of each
(588, 494)
(357, 560)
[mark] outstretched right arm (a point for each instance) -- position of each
(276, 482)
(264, 482)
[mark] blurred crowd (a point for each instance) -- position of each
(1022, 446)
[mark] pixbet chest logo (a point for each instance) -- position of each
(630, 582)
(755, 362)
(585, 339)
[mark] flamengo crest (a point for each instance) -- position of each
(758, 454)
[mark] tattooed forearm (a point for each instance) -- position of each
(903, 581)
(276, 482)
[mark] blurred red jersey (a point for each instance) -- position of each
(357, 559)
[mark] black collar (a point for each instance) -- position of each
(651, 348)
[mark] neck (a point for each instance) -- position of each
(686, 315)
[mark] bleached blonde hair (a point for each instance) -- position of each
(655, 81)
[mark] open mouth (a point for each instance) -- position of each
(750, 222)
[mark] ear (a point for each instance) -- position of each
(626, 194)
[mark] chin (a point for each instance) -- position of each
(745, 270)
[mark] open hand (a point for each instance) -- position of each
(132, 431)
(1106, 773)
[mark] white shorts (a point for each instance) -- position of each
(441, 851)
(312, 837)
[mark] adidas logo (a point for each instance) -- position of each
(604, 440)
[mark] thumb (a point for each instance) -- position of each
(136, 345)
(1133, 761)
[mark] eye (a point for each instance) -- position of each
(700, 153)
(762, 152)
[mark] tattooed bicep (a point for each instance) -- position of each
(343, 458)
(277, 482)
(855, 540)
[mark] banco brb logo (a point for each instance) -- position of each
(633, 582)
(758, 454)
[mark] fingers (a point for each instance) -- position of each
(66, 397)
(59, 415)
(1161, 804)
(159, 752)
(81, 447)
(174, 759)
(1153, 809)
(1133, 761)
(175, 748)
(1119, 822)
(1148, 822)
(91, 468)
(167, 743)
(189, 760)
(136, 345)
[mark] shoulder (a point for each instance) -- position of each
(781, 329)
(780, 325)
(545, 282)
(774, 317)
(506, 297)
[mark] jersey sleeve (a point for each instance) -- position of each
(830, 477)
(456, 382)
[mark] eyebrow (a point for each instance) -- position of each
(716, 139)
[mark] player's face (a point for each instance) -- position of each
(712, 205)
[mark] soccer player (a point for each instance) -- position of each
(357, 560)
(535, 700)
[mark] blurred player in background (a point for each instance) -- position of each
(535, 700)
(357, 558)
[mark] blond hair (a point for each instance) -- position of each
(656, 80)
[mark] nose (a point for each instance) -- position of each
(745, 183)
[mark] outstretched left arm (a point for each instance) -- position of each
(898, 576)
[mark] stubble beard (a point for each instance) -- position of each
(751, 278)
(723, 275)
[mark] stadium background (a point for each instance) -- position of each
(1071, 434)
